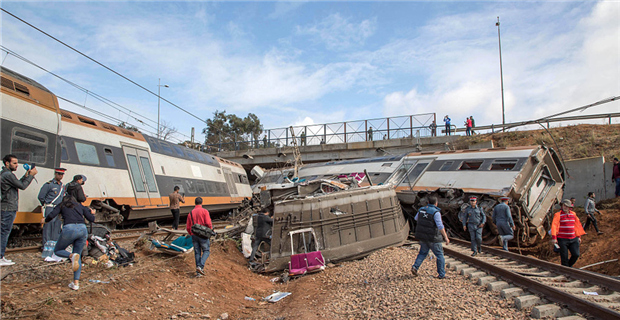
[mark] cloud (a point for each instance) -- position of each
(283, 9)
(337, 33)
(549, 66)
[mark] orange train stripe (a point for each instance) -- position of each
(35, 217)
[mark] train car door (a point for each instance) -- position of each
(228, 175)
(142, 177)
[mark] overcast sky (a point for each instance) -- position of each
(295, 63)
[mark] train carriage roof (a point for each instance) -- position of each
(22, 78)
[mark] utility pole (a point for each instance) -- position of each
(158, 100)
(501, 73)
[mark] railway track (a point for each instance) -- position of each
(551, 290)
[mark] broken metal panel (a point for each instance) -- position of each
(348, 224)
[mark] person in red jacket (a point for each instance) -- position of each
(199, 215)
(566, 231)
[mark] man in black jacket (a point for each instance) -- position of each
(74, 188)
(262, 225)
(430, 231)
(10, 199)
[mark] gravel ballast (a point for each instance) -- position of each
(381, 286)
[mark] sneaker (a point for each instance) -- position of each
(474, 254)
(438, 277)
(414, 271)
(6, 262)
(198, 275)
(74, 286)
(600, 232)
(500, 240)
(201, 271)
(75, 262)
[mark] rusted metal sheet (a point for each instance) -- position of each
(348, 224)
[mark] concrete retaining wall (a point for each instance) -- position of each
(589, 175)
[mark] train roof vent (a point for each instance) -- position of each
(107, 126)
(7, 83)
(127, 132)
(65, 115)
(22, 89)
(88, 121)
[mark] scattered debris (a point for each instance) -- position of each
(277, 296)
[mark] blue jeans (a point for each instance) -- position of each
(7, 224)
(75, 234)
(437, 249)
(617, 187)
(201, 250)
(475, 233)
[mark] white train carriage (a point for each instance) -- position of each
(129, 175)
(533, 177)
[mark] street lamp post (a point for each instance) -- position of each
(159, 85)
(501, 73)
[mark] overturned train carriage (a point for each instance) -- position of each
(347, 224)
(533, 177)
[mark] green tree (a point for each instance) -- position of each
(229, 130)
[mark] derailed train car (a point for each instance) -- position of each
(339, 220)
(533, 177)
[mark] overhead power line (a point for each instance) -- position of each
(104, 100)
(101, 64)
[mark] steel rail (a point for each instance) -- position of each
(589, 276)
(558, 296)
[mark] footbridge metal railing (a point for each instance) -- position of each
(339, 132)
(412, 126)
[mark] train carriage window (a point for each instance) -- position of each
(199, 156)
(190, 186)
(501, 164)
(29, 146)
(446, 166)
(179, 183)
(87, 153)
(471, 165)
(191, 155)
(237, 178)
(211, 187)
(135, 173)
(179, 151)
(148, 174)
(154, 145)
(201, 187)
(416, 171)
(166, 149)
(109, 157)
